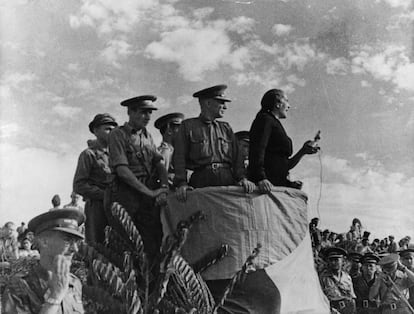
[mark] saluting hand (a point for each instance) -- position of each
(59, 277)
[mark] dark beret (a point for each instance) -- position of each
(65, 220)
(370, 258)
(243, 136)
(140, 102)
(334, 252)
(174, 118)
(102, 119)
(215, 92)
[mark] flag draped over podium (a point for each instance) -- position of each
(278, 221)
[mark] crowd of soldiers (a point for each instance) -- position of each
(359, 276)
(122, 164)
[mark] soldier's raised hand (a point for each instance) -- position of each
(59, 277)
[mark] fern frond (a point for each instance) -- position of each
(210, 258)
(238, 277)
(126, 222)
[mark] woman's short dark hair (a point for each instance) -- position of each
(270, 98)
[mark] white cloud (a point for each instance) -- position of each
(338, 66)
(15, 79)
(390, 63)
(405, 4)
(365, 83)
(48, 173)
(115, 51)
(369, 191)
(9, 129)
(281, 29)
(66, 111)
(109, 16)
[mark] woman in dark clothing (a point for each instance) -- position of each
(271, 147)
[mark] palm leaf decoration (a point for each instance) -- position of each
(118, 277)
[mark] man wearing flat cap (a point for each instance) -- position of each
(141, 183)
(407, 259)
(47, 286)
(336, 283)
(391, 286)
(208, 147)
(363, 283)
(93, 175)
(168, 125)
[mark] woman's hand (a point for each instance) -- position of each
(265, 186)
(309, 149)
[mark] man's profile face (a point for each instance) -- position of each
(217, 107)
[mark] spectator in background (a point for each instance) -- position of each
(325, 242)
(407, 259)
(332, 237)
(386, 243)
(392, 246)
(315, 233)
(364, 247)
(26, 249)
(375, 245)
(55, 202)
(355, 231)
(9, 245)
(21, 229)
(74, 199)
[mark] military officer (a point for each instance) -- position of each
(168, 126)
(407, 259)
(141, 183)
(355, 263)
(48, 286)
(243, 141)
(93, 175)
(391, 286)
(363, 283)
(208, 147)
(336, 283)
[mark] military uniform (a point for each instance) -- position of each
(208, 148)
(92, 176)
(168, 123)
(409, 252)
(362, 287)
(390, 300)
(27, 291)
(136, 150)
(338, 288)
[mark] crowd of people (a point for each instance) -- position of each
(122, 164)
(362, 276)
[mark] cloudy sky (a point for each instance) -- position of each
(348, 68)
